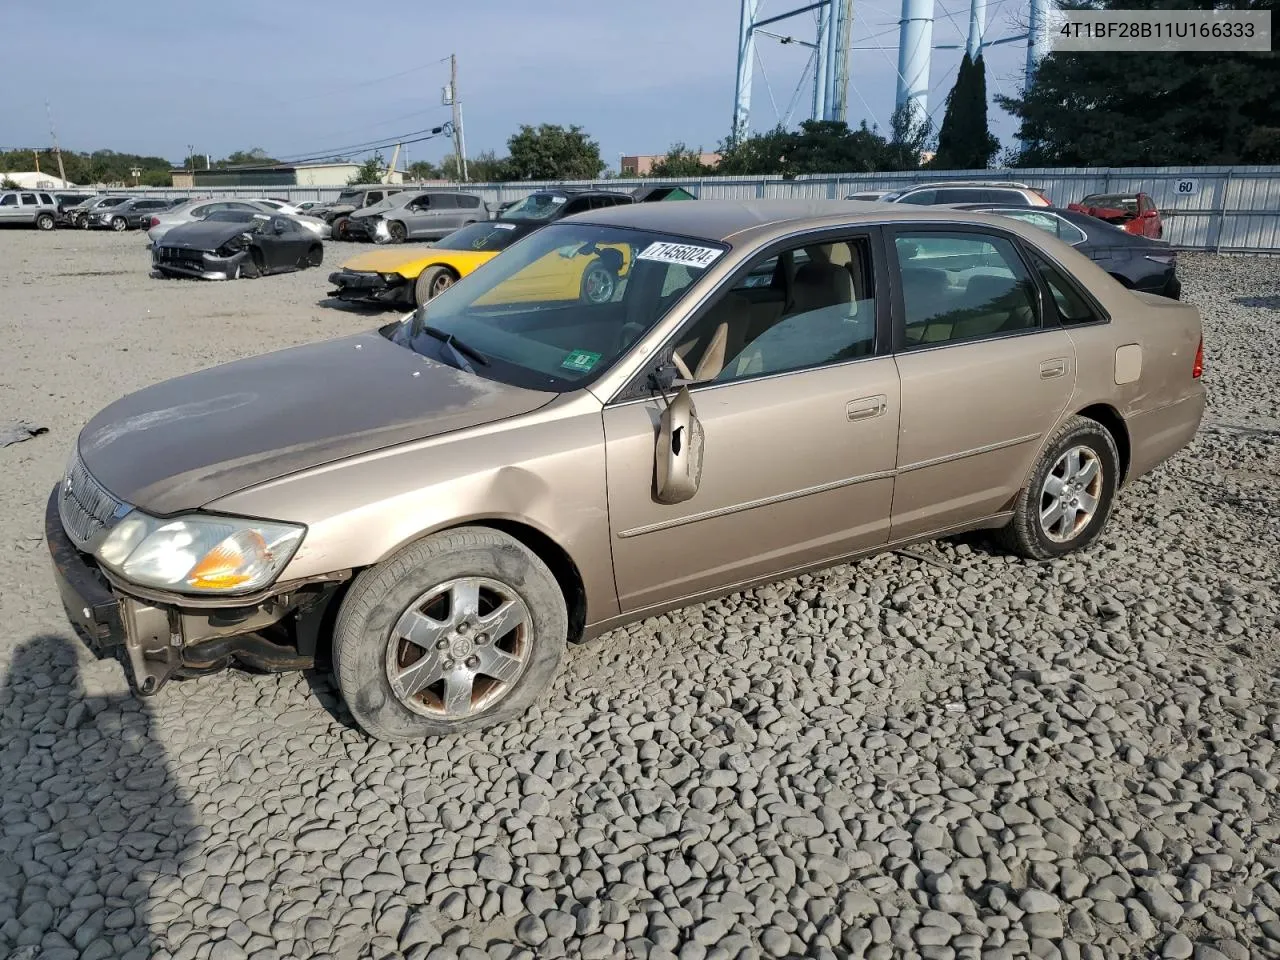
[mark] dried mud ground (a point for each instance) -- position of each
(958, 756)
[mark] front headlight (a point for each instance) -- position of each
(391, 277)
(199, 553)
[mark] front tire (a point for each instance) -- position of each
(314, 257)
(432, 282)
(397, 231)
(1067, 499)
(598, 283)
(338, 229)
(119, 224)
(459, 631)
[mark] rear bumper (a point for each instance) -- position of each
(1158, 434)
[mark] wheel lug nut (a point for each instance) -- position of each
(473, 662)
(482, 638)
(448, 664)
(442, 644)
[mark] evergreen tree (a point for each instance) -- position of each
(965, 141)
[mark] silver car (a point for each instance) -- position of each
(424, 215)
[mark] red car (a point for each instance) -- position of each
(1135, 212)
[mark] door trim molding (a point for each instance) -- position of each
(753, 504)
(976, 451)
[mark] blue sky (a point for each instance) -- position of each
(303, 76)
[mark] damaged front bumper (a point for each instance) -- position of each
(196, 263)
(370, 287)
(158, 637)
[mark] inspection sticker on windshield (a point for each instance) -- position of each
(580, 361)
(683, 253)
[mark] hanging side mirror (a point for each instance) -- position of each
(678, 464)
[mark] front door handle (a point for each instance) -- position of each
(865, 408)
(1052, 368)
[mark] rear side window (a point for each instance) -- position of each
(9, 200)
(46, 199)
(1050, 223)
(1014, 198)
(444, 201)
(958, 287)
(1072, 308)
(28, 199)
(920, 196)
(961, 195)
(467, 202)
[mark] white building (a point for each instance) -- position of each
(37, 181)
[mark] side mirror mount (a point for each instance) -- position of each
(663, 377)
(679, 451)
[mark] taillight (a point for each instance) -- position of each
(1041, 195)
(1197, 368)
(155, 221)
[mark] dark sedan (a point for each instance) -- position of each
(129, 215)
(231, 244)
(1140, 263)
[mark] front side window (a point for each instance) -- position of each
(920, 196)
(827, 314)
(962, 286)
(561, 306)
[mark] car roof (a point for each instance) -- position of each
(722, 220)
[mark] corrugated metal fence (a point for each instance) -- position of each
(1224, 209)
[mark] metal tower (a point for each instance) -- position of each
(830, 61)
(915, 49)
(1038, 41)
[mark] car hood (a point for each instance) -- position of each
(204, 234)
(411, 261)
(183, 443)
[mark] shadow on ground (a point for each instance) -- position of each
(92, 829)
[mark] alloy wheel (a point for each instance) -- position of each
(1070, 494)
(459, 648)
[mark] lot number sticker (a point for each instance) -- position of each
(1186, 188)
(682, 253)
(580, 361)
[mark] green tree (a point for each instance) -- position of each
(423, 170)
(909, 137)
(1149, 109)
(371, 171)
(964, 140)
(681, 161)
(254, 156)
(8, 183)
(484, 167)
(818, 146)
(552, 152)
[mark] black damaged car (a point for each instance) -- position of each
(231, 244)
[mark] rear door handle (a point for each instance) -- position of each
(1052, 368)
(865, 408)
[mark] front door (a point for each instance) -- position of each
(983, 378)
(799, 402)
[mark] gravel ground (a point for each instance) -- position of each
(942, 753)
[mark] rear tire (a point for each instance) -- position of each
(339, 228)
(44, 221)
(432, 282)
(371, 640)
(1066, 502)
(314, 257)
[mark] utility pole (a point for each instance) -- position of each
(191, 156)
(451, 99)
(62, 173)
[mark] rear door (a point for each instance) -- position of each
(984, 377)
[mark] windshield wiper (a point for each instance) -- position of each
(457, 347)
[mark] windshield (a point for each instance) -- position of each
(561, 306)
(536, 206)
(1116, 201)
(349, 196)
(488, 236)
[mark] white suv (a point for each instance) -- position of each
(1005, 193)
(35, 207)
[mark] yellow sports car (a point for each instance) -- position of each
(412, 276)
